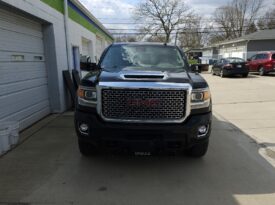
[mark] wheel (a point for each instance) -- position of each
(261, 71)
(198, 150)
(213, 73)
(222, 74)
(245, 75)
(87, 149)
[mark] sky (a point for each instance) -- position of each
(123, 8)
(120, 11)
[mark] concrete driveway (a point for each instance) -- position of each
(249, 104)
(48, 169)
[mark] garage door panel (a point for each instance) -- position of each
(18, 42)
(9, 56)
(17, 102)
(15, 72)
(20, 77)
(21, 66)
(21, 86)
(237, 54)
(23, 75)
(19, 24)
(30, 115)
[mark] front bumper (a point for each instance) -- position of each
(180, 135)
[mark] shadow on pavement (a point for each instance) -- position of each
(266, 75)
(48, 168)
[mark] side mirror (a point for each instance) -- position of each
(94, 66)
(249, 59)
(87, 65)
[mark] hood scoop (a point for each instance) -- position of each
(144, 75)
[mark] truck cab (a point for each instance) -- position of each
(146, 97)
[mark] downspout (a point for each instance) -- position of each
(67, 36)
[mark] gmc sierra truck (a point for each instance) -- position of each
(143, 96)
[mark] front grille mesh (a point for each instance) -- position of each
(153, 105)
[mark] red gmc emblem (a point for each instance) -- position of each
(142, 102)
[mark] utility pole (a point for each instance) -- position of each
(176, 39)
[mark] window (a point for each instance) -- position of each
(236, 60)
(265, 56)
(38, 58)
(262, 56)
(273, 56)
(253, 57)
(18, 57)
(222, 61)
(143, 57)
(258, 57)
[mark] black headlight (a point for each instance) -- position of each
(87, 96)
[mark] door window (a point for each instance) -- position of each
(265, 56)
(273, 56)
(253, 57)
(258, 56)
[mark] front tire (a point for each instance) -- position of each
(261, 71)
(198, 150)
(245, 75)
(86, 149)
(222, 74)
(213, 73)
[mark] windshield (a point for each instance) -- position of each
(143, 57)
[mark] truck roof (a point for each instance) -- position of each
(143, 43)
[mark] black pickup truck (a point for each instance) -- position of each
(143, 96)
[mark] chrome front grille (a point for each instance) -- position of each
(143, 104)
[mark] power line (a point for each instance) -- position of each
(182, 32)
(179, 29)
(186, 21)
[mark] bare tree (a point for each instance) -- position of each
(162, 16)
(267, 21)
(193, 35)
(125, 38)
(237, 18)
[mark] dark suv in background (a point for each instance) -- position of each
(262, 63)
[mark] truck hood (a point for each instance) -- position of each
(144, 76)
(93, 78)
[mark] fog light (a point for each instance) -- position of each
(83, 127)
(202, 130)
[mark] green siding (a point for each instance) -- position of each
(59, 6)
(56, 4)
(83, 22)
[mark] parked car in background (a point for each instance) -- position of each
(262, 63)
(230, 67)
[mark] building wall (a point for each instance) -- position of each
(207, 54)
(253, 47)
(233, 50)
(50, 12)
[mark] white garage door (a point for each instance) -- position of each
(23, 75)
(237, 54)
